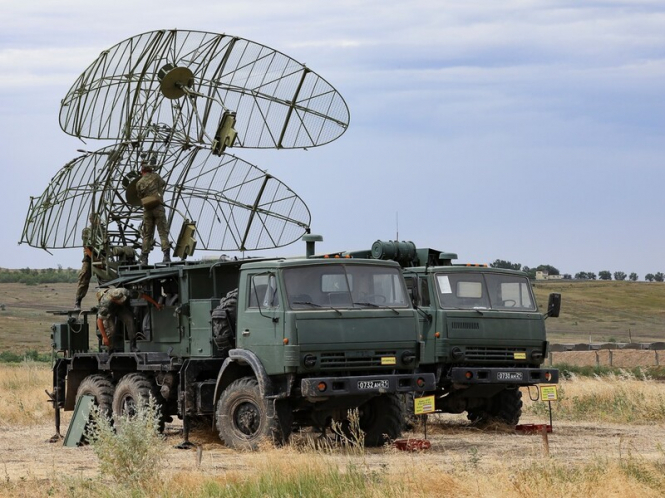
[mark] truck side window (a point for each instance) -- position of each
(410, 285)
(424, 292)
(263, 291)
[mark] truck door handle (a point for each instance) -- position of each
(245, 332)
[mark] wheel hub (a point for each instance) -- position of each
(247, 418)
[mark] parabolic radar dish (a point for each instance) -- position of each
(197, 83)
(236, 206)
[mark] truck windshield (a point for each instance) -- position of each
(345, 286)
(485, 291)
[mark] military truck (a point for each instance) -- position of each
(484, 336)
(254, 346)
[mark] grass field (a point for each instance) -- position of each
(607, 441)
(600, 311)
(605, 311)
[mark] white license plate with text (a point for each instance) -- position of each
(373, 384)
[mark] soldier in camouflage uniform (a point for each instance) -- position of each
(114, 303)
(151, 185)
(85, 273)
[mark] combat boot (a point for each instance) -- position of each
(143, 259)
(167, 256)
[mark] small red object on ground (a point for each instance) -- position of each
(533, 428)
(412, 444)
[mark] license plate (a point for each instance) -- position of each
(509, 376)
(373, 384)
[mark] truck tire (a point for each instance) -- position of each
(381, 419)
(132, 391)
(242, 417)
(504, 407)
(223, 322)
(99, 387)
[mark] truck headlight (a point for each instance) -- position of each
(309, 360)
(408, 357)
(456, 353)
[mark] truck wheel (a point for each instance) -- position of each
(132, 391)
(99, 387)
(504, 407)
(242, 417)
(381, 419)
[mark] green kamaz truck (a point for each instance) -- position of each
(484, 335)
(256, 347)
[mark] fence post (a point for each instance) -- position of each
(611, 357)
(597, 359)
(549, 355)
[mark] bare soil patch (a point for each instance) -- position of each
(25, 452)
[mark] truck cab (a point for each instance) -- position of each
(484, 335)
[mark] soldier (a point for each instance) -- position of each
(89, 234)
(150, 189)
(115, 303)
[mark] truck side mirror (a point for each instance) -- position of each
(554, 305)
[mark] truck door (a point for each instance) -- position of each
(261, 321)
(418, 287)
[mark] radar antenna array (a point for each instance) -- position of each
(178, 99)
(189, 81)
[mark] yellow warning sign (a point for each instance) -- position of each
(519, 356)
(388, 360)
(423, 405)
(548, 393)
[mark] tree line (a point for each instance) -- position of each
(38, 276)
(583, 275)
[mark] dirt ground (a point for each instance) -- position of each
(25, 452)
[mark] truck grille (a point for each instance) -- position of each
(465, 325)
(493, 354)
(351, 359)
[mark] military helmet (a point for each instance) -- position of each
(118, 295)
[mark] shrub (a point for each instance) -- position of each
(131, 451)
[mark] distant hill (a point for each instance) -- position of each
(604, 311)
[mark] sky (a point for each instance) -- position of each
(528, 131)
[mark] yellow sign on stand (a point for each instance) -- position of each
(548, 393)
(423, 405)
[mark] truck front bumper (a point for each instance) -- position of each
(367, 384)
(514, 376)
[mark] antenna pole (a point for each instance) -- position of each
(397, 226)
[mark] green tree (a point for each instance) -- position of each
(604, 275)
(500, 263)
(619, 275)
(659, 277)
(582, 275)
(633, 277)
(566, 276)
(592, 276)
(649, 277)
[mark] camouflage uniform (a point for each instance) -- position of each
(85, 273)
(153, 184)
(114, 304)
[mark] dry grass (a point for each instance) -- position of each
(289, 473)
(613, 399)
(605, 311)
(23, 401)
(461, 464)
